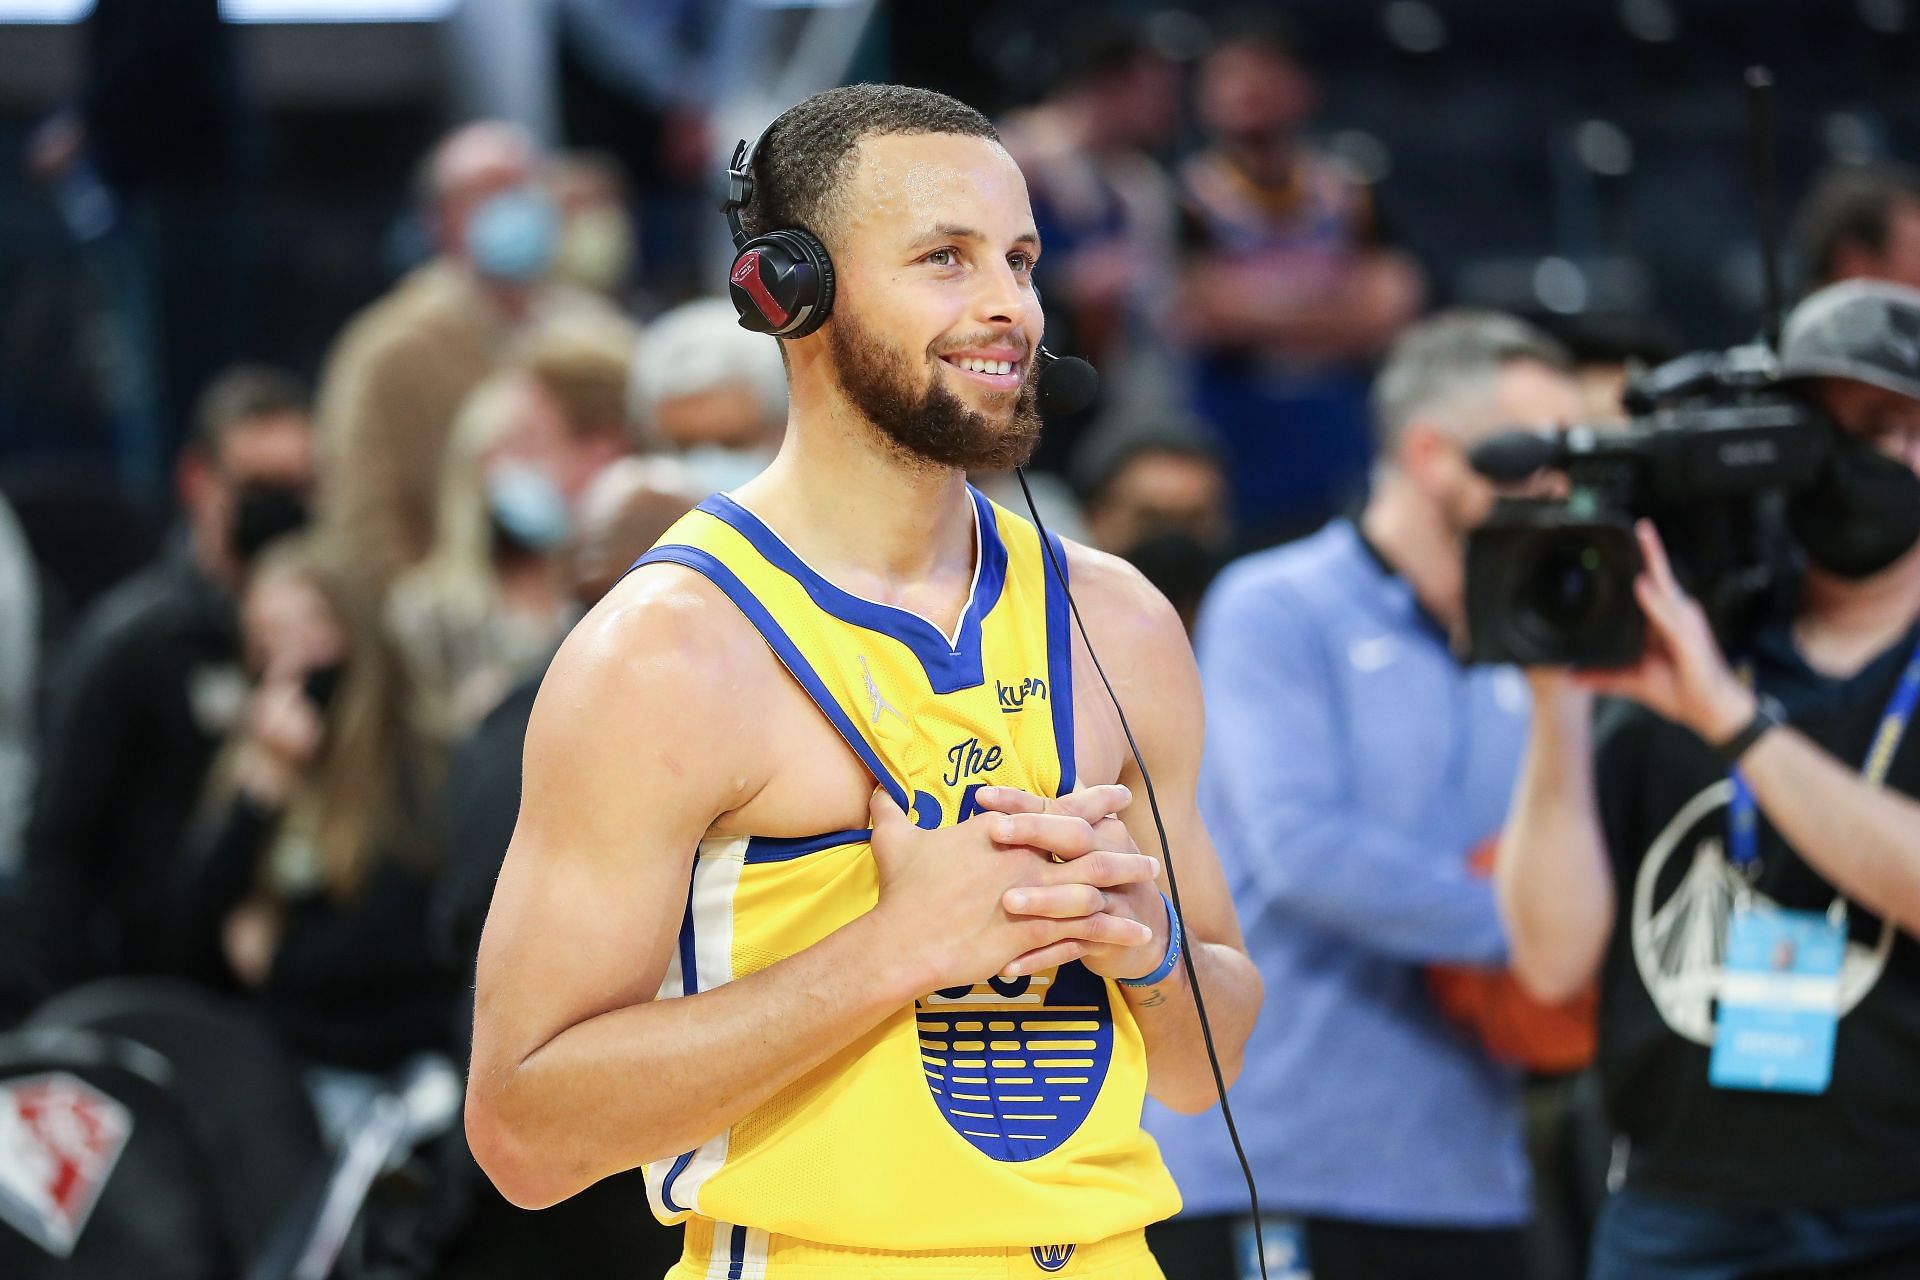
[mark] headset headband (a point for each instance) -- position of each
(740, 185)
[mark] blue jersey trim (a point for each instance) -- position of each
(948, 667)
(709, 566)
(689, 971)
(787, 848)
(1060, 661)
(689, 985)
(737, 1253)
(680, 1163)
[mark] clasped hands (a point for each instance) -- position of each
(1027, 884)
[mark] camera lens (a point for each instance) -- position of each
(1563, 589)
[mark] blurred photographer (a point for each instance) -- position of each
(1739, 864)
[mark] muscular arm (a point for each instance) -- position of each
(1555, 888)
(1145, 650)
(577, 1072)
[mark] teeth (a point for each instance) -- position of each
(977, 365)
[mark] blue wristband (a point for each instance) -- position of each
(1159, 975)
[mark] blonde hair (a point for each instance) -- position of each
(585, 364)
(457, 572)
(360, 800)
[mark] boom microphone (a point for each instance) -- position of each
(1067, 383)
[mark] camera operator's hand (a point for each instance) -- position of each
(1073, 827)
(1682, 674)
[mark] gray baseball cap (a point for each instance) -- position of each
(1864, 330)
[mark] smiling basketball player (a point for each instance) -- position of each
(817, 905)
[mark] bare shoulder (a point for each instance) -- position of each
(659, 683)
(1142, 648)
(1123, 611)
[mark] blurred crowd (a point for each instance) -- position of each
(280, 761)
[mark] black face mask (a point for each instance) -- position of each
(262, 513)
(322, 683)
(1861, 515)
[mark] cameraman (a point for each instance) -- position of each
(1760, 997)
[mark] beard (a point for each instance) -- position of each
(929, 425)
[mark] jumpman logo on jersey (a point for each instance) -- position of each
(880, 702)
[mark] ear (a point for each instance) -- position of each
(1424, 450)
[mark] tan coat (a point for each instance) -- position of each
(394, 383)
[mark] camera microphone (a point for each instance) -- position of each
(1514, 455)
(1068, 384)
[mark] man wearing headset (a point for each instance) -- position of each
(855, 1030)
(1738, 862)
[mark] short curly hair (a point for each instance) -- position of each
(806, 158)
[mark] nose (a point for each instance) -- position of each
(1005, 297)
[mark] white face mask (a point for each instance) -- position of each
(527, 505)
(716, 469)
(596, 249)
(513, 234)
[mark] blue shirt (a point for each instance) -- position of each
(1351, 768)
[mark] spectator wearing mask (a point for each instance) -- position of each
(597, 242)
(402, 368)
(1862, 222)
(710, 393)
(311, 873)
(1290, 291)
(1159, 499)
(151, 684)
(490, 601)
(1353, 766)
(19, 662)
(1737, 860)
(606, 1229)
(1151, 482)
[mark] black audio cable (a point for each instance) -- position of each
(1067, 384)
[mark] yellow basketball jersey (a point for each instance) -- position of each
(1001, 1114)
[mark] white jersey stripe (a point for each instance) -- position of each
(716, 874)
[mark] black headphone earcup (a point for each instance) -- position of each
(782, 283)
(823, 267)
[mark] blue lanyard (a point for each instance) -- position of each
(1744, 814)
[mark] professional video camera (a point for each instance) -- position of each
(1714, 445)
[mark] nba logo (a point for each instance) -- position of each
(1051, 1257)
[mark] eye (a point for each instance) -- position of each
(1021, 262)
(947, 256)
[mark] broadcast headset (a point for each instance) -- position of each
(782, 283)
